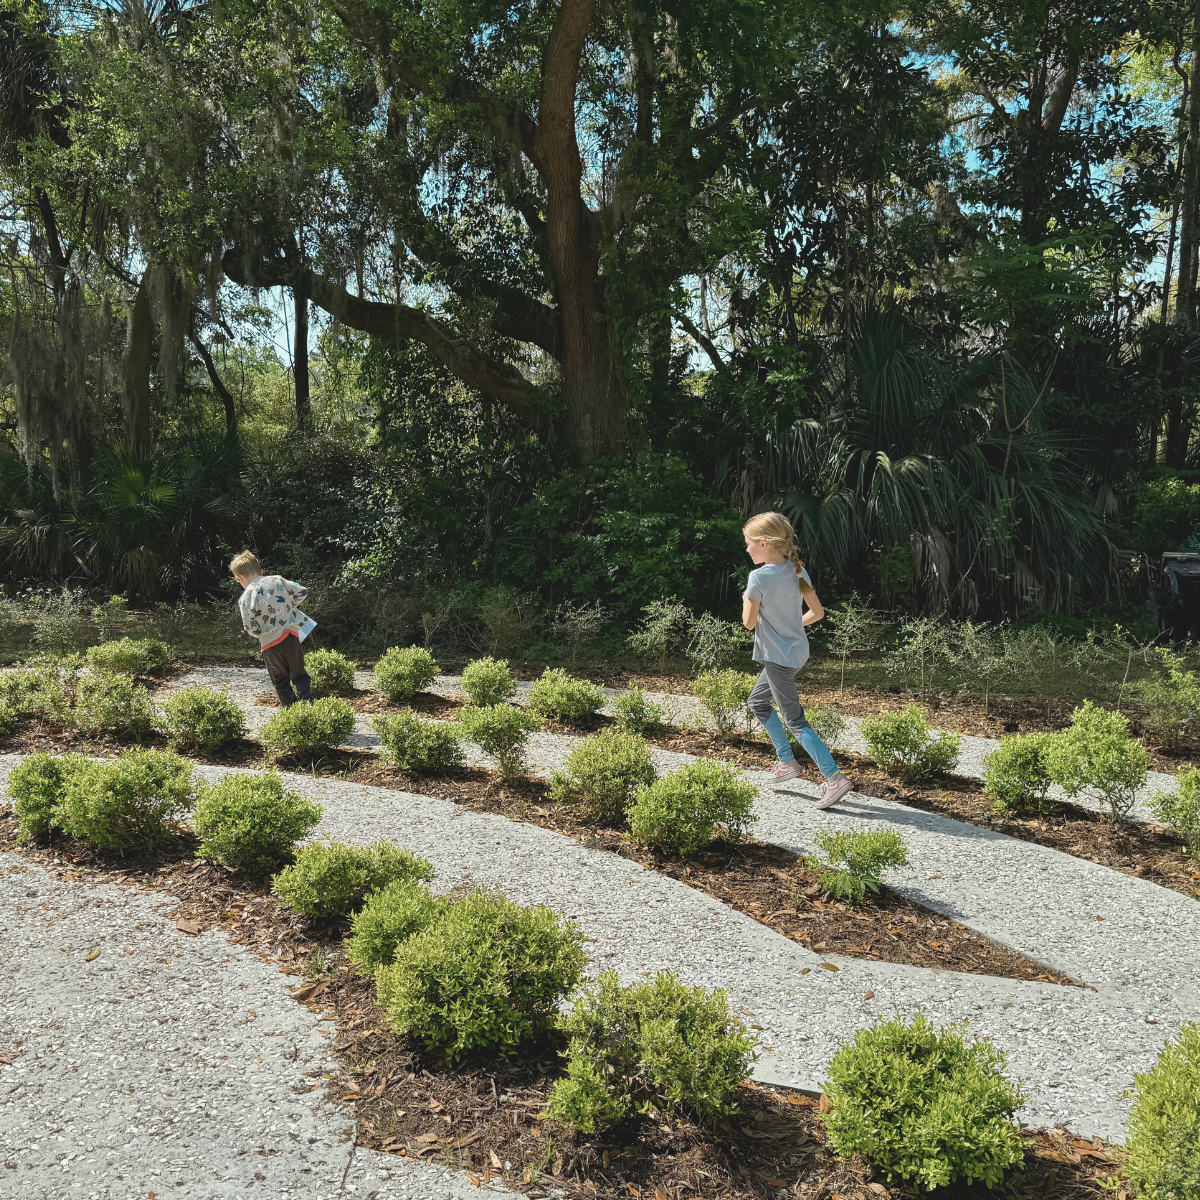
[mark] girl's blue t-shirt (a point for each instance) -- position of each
(779, 636)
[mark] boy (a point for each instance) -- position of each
(269, 613)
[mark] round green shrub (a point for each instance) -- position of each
(1015, 774)
(605, 771)
(1163, 1131)
(129, 656)
(417, 746)
(36, 785)
(390, 916)
(404, 671)
(45, 687)
(501, 730)
(678, 813)
(486, 976)
(1096, 753)
(308, 728)
(329, 880)
(828, 724)
(111, 703)
(249, 823)
(560, 697)
(202, 718)
(724, 694)
(635, 714)
(331, 673)
(923, 1106)
(126, 802)
(1179, 811)
(903, 744)
(488, 681)
(856, 859)
(658, 1042)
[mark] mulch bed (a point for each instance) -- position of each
(484, 1116)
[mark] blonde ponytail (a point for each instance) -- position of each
(776, 530)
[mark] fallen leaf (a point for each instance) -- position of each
(189, 926)
(607, 1157)
(659, 1194)
(759, 1027)
(824, 1105)
(829, 967)
(635, 1190)
(878, 1189)
(427, 1137)
(805, 970)
(772, 1181)
(473, 1178)
(802, 1101)
(869, 996)
(466, 1141)
(496, 1160)
(91, 955)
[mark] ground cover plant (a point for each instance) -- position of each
(250, 823)
(331, 673)
(316, 727)
(201, 718)
(561, 697)
(679, 813)
(605, 772)
(129, 656)
(904, 745)
(404, 671)
(1097, 754)
(329, 880)
(856, 860)
(416, 745)
(724, 695)
(923, 1105)
(501, 730)
(488, 681)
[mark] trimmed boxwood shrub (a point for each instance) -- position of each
(390, 916)
(329, 880)
(661, 1043)
(501, 730)
(308, 728)
(331, 673)
(605, 771)
(201, 718)
(129, 656)
(1179, 811)
(1015, 775)
(678, 813)
(923, 1106)
(635, 714)
(487, 975)
(724, 695)
(560, 697)
(488, 681)
(1096, 753)
(36, 786)
(249, 823)
(417, 746)
(903, 744)
(404, 671)
(111, 703)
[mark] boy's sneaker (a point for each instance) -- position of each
(786, 770)
(835, 790)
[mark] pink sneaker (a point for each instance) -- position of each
(786, 770)
(835, 790)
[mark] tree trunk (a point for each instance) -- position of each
(300, 363)
(139, 347)
(1185, 292)
(660, 358)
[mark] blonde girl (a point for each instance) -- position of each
(773, 605)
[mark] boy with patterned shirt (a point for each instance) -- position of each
(269, 613)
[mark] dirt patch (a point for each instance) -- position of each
(364, 701)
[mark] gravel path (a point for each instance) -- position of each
(168, 1064)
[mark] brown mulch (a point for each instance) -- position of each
(484, 1115)
(364, 701)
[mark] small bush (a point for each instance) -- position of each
(329, 880)
(649, 1043)
(332, 674)
(663, 631)
(201, 717)
(249, 823)
(125, 802)
(417, 746)
(390, 916)
(313, 728)
(488, 681)
(855, 862)
(502, 731)
(486, 976)
(679, 812)
(923, 1106)
(724, 695)
(109, 703)
(404, 671)
(44, 688)
(560, 697)
(1163, 1131)
(1180, 811)
(1171, 699)
(828, 724)
(129, 656)
(36, 786)
(1096, 754)
(713, 643)
(1015, 774)
(903, 744)
(635, 714)
(605, 771)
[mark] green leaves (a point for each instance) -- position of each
(855, 861)
(903, 744)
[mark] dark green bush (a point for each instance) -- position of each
(390, 916)
(488, 681)
(605, 771)
(331, 673)
(560, 697)
(201, 718)
(36, 786)
(329, 880)
(679, 813)
(923, 1106)
(855, 860)
(404, 671)
(486, 976)
(417, 746)
(110, 703)
(129, 656)
(501, 730)
(249, 823)
(903, 744)
(1015, 775)
(313, 728)
(658, 1043)
(1179, 811)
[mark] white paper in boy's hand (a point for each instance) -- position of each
(307, 628)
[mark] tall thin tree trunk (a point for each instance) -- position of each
(1185, 292)
(300, 364)
(139, 349)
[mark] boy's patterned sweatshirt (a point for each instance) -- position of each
(268, 609)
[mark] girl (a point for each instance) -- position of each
(773, 606)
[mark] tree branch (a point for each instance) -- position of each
(226, 397)
(705, 343)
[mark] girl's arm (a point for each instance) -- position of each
(750, 612)
(815, 611)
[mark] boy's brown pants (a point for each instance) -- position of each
(285, 665)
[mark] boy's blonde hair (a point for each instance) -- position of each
(245, 564)
(776, 530)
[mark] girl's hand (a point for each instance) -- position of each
(750, 612)
(815, 611)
